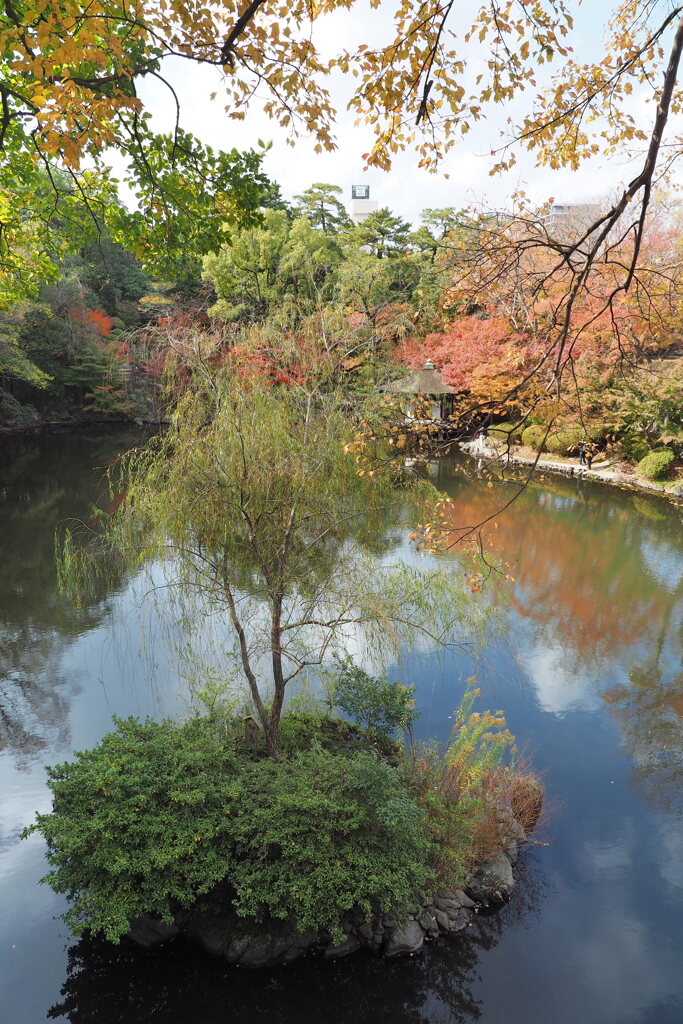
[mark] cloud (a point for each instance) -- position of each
(558, 688)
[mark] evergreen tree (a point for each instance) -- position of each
(324, 210)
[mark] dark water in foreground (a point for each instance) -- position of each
(590, 677)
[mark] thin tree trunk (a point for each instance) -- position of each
(246, 665)
(278, 674)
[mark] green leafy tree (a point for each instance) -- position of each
(159, 814)
(444, 232)
(370, 284)
(307, 270)
(284, 269)
(15, 364)
(189, 197)
(646, 404)
(46, 214)
(112, 274)
(245, 270)
(379, 706)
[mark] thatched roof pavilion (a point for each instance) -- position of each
(424, 384)
(425, 381)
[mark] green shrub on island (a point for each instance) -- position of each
(379, 706)
(141, 823)
(161, 814)
(655, 466)
(325, 834)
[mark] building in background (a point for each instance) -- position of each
(568, 221)
(361, 203)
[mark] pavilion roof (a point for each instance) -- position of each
(426, 381)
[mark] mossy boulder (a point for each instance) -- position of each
(655, 466)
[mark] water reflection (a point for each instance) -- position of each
(599, 593)
(598, 578)
(41, 482)
(649, 710)
(596, 692)
(179, 984)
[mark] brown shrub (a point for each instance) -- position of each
(525, 794)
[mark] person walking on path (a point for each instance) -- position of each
(582, 453)
(589, 458)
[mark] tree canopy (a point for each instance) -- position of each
(72, 75)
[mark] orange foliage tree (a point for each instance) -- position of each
(533, 331)
(482, 356)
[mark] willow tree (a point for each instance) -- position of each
(251, 501)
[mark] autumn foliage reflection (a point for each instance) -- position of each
(587, 570)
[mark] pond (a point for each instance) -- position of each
(588, 671)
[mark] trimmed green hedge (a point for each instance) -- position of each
(533, 436)
(634, 446)
(562, 440)
(656, 465)
(506, 431)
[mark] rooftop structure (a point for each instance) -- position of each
(425, 381)
(361, 203)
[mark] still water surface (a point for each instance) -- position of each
(589, 673)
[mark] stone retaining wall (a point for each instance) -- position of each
(607, 476)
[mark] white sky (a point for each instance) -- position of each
(405, 189)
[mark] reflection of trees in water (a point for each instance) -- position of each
(42, 481)
(650, 713)
(604, 576)
(180, 983)
(587, 568)
(649, 709)
(33, 702)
